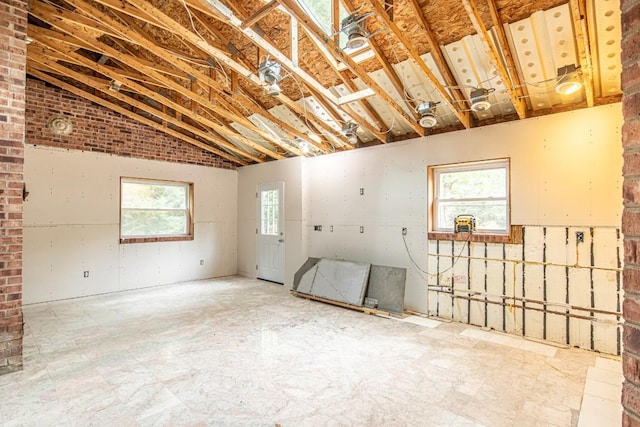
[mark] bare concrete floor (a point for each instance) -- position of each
(238, 351)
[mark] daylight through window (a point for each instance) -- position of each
(479, 189)
(155, 208)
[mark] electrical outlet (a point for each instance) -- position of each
(317, 228)
(361, 229)
(362, 191)
(86, 273)
(579, 236)
(331, 228)
(201, 262)
(404, 231)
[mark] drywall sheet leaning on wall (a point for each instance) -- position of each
(386, 286)
(343, 281)
(301, 274)
(562, 284)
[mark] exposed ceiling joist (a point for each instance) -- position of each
(338, 53)
(170, 59)
(107, 104)
(380, 12)
(312, 86)
(82, 60)
(579, 16)
(503, 43)
(103, 86)
(281, 97)
(438, 56)
(494, 56)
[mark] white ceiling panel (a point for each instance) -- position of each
(472, 68)
(606, 52)
(543, 43)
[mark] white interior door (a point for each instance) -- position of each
(270, 232)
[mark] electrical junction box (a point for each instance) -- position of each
(464, 224)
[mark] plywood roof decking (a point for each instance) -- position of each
(195, 71)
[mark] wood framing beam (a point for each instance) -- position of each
(82, 60)
(234, 21)
(494, 57)
(102, 85)
(380, 12)
(255, 106)
(318, 94)
(286, 101)
(107, 104)
(438, 56)
(581, 28)
(218, 54)
(315, 31)
(508, 56)
(192, 94)
(391, 73)
(259, 14)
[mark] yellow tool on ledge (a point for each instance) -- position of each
(464, 224)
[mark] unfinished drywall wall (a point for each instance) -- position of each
(565, 172)
(71, 225)
(289, 172)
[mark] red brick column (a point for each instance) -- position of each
(13, 57)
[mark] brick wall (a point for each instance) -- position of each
(99, 129)
(631, 218)
(13, 26)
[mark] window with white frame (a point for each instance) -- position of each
(480, 189)
(269, 212)
(151, 209)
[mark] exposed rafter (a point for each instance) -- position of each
(579, 16)
(100, 101)
(494, 56)
(380, 12)
(194, 73)
(74, 57)
(437, 55)
(339, 55)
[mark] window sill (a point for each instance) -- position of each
(514, 236)
(155, 239)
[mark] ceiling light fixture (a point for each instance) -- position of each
(480, 99)
(354, 27)
(269, 72)
(568, 80)
(115, 86)
(349, 130)
(427, 111)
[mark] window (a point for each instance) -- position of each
(155, 209)
(269, 214)
(480, 189)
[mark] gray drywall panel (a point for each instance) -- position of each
(386, 284)
(343, 281)
(306, 281)
(310, 262)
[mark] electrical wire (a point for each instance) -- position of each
(193, 25)
(455, 260)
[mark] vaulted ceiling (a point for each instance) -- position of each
(201, 70)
